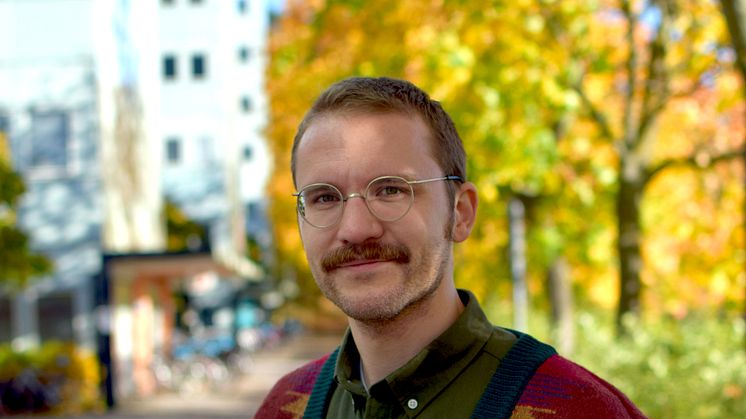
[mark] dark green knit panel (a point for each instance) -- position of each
(512, 376)
(316, 408)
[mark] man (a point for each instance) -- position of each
(382, 196)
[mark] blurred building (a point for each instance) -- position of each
(49, 102)
(113, 106)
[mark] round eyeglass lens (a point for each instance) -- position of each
(320, 205)
(389, 198)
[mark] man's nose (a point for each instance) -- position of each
(358, 224)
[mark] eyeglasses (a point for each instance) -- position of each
(388, 198)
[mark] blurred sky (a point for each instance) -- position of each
(276, 6)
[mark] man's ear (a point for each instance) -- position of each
(465, 211)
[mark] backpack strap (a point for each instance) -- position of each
(511, 377)
(316, 407)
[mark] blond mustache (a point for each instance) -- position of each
(366, 251)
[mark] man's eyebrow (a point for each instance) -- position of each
(406, 175)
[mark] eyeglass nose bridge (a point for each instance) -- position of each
(371, 211)
(355, 195)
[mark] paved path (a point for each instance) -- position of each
(244, 398)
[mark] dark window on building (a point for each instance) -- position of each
(56, 317)
(196, 1)
(173, 150)
(167, 2)
(243, 54)
(246, 104)
(199, 66)
(4, 122)
(242, 6)
(5, 320)
(50, 132)
(248, 152)
(169, 67)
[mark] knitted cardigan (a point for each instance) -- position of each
(532, 381)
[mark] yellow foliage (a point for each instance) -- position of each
(4, 148)
(507, 73)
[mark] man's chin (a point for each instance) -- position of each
(369, 314)
(364, 304)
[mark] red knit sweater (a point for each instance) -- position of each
(558, 389)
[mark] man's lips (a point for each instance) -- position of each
(361, 262)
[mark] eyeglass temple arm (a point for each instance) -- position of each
(451, 177)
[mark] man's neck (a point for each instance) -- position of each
(385, 347)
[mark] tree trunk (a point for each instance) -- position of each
(560, 296)
(629, 199)
(735, 17)
(517, 214)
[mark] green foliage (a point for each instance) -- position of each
(11, 185)
(693, 367)
(64, 378)
(689, 368)
(182, 232)
(255, 252)
(18, 264)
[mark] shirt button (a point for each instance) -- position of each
(412, 404)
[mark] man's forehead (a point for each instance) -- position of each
(338, 129)
(341, 118)
(369, 145)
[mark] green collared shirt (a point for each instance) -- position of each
(445, 380)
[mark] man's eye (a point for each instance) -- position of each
(326, 198)
(390, 190)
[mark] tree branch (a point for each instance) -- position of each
(598, 117)
(656, 85)
(654, 111)
(628, 125)
(698, 160)
(735, 15)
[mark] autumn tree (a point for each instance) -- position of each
(18, 263)
(669, 57)
(579, 109)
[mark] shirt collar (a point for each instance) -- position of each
(424, 376)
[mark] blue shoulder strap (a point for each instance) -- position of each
(316, 407)
(511, 377)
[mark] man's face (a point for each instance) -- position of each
(372, 269)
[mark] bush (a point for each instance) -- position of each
(694, 367)
(689, 368)
(55, 378)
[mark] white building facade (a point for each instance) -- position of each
(195, 69)
(213, 108)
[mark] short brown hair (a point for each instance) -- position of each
(385, 94)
